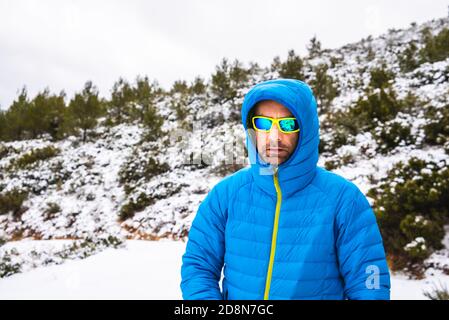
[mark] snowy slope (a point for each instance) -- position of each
(89, 193)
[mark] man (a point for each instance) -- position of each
(284, 228)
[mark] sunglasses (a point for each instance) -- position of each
(285, 125)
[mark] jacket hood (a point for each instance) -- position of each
(299, 169)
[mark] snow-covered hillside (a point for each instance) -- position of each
(86, 190)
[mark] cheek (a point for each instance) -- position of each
(291, 140)
(261, 139)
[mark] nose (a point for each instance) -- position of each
(274, 135)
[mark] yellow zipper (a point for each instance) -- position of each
(274, 235)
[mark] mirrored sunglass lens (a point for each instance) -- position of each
(289, 125)
(262, 124)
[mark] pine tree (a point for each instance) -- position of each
(238, 75)
(408, 58)
(221, 84)
(291, 68)
(227, 80)
(379, 106)
(46, 114)
(145, 96)
(36, 114)
(314, 48)
(56, 115)
(198, 87)
(120, 105)
(29, 119)
(153, 123)
(84, 109)
(16, 119)
(380, 77)
(323, 86)
(2, 125)
(436, 47)
(180, 86)
(180, 99)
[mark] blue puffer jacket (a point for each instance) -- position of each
(300, 232)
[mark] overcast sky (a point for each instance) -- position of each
(62, 43)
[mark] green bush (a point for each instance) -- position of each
(414, 227)
(408, 58)
(12, 202)
(375, 113)
(132, 206)
(180, 105)
(34, 156)
(340, 130)
(8, 267)
(380, 77)
(436, 48)
(223, 169)
(379, 106)
(131, 172)
(417, 249)
(336, 61)
(392, 135)
(436, 128)
(438, 292)
(411, 207)
(324, 87)
(4, 151)
(339, 162)
(51, 210)
(83, 248)
(153, 124)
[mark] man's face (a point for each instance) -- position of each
(275, 147)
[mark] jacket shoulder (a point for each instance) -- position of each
(334, 186)
(233, 183)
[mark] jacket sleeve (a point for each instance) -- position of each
(202, 261)
(360, 251)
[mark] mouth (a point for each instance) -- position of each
(276, 151)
